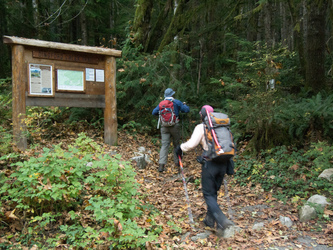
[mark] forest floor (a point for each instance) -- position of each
(247, 206)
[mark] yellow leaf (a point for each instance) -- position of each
(11, 215)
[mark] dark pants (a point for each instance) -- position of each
(211, 180)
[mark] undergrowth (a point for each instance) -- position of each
(80, 197)
(289, 172)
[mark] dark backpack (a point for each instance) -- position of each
(167, 115)
(221, 147)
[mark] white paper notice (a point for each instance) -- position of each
(90, 74)
(99, 75)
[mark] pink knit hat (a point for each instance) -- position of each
(208, 108)
(203, 111)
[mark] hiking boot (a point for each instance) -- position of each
(161, 168)
(209, 221)
(220, 229)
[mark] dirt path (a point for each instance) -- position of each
(250, 205)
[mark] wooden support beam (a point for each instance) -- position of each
(19, 88)
(110, 112)
(61, 46)
(68, 100)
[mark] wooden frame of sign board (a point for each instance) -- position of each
(96, 81)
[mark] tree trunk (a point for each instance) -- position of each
(178, 23)
(268, 21)
(284, 25)
(315, 47)
(83, 26)
(298, 34)
(141, 25)
(159, 27)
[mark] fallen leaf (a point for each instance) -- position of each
(328, 212)
(11, 215)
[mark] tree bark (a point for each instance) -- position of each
(298, 34)
(268, 31)
(177, 24)
(83, 22)
(159, 28)
(141, 25)
(315, 47)
(285, 25)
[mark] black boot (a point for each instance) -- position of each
(209, 221)
(161, 168)
(221, 228)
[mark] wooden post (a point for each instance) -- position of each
(110, 111)
(19, 88)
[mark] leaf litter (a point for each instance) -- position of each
(249, 205)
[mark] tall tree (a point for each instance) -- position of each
(142, 19)
(297, 20)
(315, 45)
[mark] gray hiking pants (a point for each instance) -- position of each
(166, 134)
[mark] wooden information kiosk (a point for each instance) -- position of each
(64, 75)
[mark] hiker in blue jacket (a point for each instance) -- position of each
(212, 174)
(170, 131)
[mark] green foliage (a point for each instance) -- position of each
(256, 64)
(52, 122)
(267, 120)
(321, 155)
(174, 226)
(141, 82)
(289, 172)
(5, 141)
(41, 122)
(94, 116)
(5, 101)
(132, 127)
(254, 121)
(82, 180)
(312, 117)
(86, 145)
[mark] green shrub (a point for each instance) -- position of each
(5, 101)
(73, 183)
(288, 172)
(312, 117)
(267, 120)
(5, 141)
(321, 155)
(254, 121)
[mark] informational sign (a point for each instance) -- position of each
(99, 75)
(40, 80)
(70, 80)
(90, 74)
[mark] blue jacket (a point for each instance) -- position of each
(177, 105)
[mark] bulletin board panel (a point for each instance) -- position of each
(57, 74)
(70, 80)
(40, 80)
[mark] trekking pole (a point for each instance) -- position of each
(186, 193)
(182, 137)
(230, 212)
